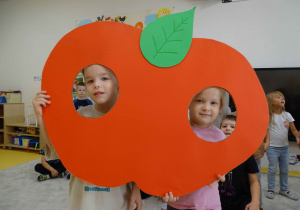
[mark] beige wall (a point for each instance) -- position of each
(266, 32)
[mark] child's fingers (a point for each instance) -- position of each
(166, 198)
(42, 96)
(175, 199)
(41, 92)
(169, 198)
(221, 178)
(211, 185)
(41, 101)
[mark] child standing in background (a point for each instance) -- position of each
(103, 88)
(280, 123)
(50, 166)
(203, 110)
(258, 155)
(82, 100)
(241, 189)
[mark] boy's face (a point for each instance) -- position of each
(278, 101)
(228, 126)
(81, 91)
(205, 107)
(102, 86)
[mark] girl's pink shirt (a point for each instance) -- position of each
(205, 198)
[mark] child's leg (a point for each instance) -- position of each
(273, 156)
(59, 167)
(40, 169)
(284, 168)
(258, 161)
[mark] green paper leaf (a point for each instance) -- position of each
(166, 41)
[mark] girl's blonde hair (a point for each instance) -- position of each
(270, 97)
(222, 94)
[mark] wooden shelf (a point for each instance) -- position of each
(21, 125)
(12, 117)
(23, 134)
(22, 147)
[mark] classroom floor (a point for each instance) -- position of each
(10, 158)
(20, 189)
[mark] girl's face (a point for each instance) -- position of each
(278, 101)
(205, 107)
(102, 86)
(228, 127)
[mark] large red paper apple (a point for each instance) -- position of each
(146, 137)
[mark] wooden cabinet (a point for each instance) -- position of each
(12, 124)
(23, 133)
(9, 113)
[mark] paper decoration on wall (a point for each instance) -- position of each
(147, 137)
(137, 19)
(12, 96)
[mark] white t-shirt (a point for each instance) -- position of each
(50, 154)
(279, 128)
(85, 196)
(89, 111)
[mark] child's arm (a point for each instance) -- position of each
(255, 192)
(295, 132)
(40, 101)
(53, 171)
(135, 197)
(267, 141)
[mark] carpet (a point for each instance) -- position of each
(20, 189)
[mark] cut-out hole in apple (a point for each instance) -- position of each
(101, 85)
(206, 111)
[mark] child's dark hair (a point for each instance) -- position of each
(229, 117)
(80, 84)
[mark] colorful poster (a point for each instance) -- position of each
(136, 19)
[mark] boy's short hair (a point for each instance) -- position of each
(229, 117)
(80, 84)
(82, 71)
(108, 69)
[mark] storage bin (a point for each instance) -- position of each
(17, 140)
(34, 144)
(25, 140)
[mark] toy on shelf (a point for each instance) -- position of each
(32, 131)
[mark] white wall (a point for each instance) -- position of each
(266, 32)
